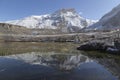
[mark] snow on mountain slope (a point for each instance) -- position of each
(109, 21)
(67, 19)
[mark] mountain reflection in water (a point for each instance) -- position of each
(51, 66)
(58, 61)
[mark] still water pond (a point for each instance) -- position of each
(54, 61)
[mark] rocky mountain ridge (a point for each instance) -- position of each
(110, 21)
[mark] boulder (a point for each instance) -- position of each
(98, 46)
(113, 50)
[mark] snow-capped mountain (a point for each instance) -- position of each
(109, 21)
(64, 19)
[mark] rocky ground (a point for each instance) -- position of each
(105, 42)
(10, 32)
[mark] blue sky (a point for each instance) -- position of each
(17, 9)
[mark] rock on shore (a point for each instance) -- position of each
(99, 46)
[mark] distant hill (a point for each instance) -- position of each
(109, 21)
(13, 29)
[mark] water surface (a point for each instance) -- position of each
(48, 61)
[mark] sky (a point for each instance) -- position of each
(18, 9)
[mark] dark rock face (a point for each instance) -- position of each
(99, 46)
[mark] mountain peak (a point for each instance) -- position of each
(67, 10)
(71, 12)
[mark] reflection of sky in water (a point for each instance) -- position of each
(51, 66)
